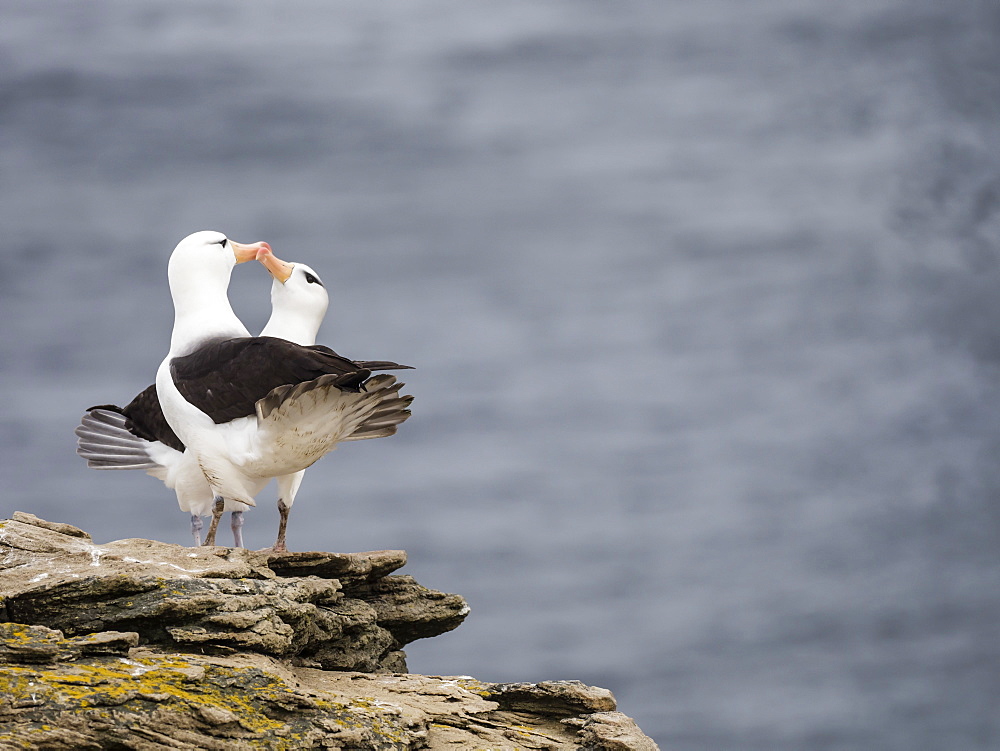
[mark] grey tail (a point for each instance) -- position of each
(105, 442)
(390, 412)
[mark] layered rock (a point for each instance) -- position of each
(333, 611)
(144, 645)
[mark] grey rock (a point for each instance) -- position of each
(142, 645)
(557, 697)
(410, 611)
(347, 567)
(60, 527)
(20, 643)
(613, 731)
(220, 599)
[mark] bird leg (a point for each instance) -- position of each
(220, 504)
(237, 526)
(279, 546)
(196, 524)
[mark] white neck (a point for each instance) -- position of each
(201, 310)
(295, 328)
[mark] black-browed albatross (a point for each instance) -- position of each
(249, 409)
(298, 303)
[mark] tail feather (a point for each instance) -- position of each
(104, 439)
(105, 415)
(393, 418)
(390, 406)
(390, 412)
(109, 449)
(365, 435)
(102, 463)
(106, 444)
(377, 431)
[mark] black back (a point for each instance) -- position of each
(224, 379)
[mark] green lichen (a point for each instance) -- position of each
(137, 687)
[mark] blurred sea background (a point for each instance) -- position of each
(702, 298)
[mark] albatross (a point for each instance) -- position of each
(299, 302)
(255, 406)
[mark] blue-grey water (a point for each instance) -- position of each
(701, 295)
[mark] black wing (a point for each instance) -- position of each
(145, 419)
(224, 379)
(366, 364)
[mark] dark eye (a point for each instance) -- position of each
(224, 241)
(313, 280)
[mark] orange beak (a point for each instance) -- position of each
(274, 265)
(246, 253)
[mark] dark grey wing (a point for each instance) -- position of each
(225, 379)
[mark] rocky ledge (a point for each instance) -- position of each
(138, 644)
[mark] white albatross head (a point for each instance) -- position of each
(209, 253)
(298, 300)
(199, 271)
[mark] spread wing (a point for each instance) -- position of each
(225, 379)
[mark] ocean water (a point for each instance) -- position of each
(701, 299)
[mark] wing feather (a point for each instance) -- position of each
(225, 379)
